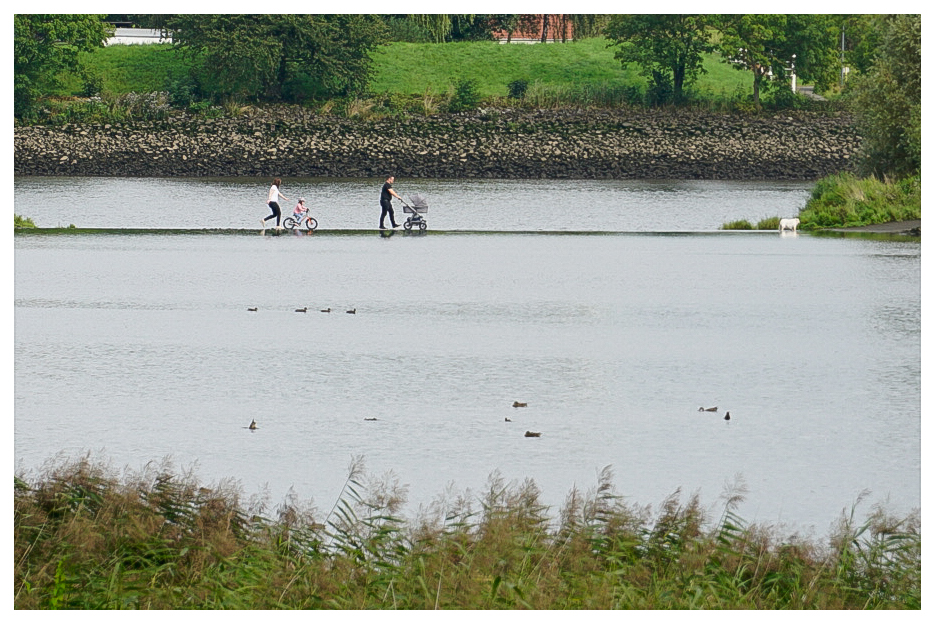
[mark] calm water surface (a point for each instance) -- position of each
(510, 205)
(140, 347)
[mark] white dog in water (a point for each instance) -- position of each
(788, 223)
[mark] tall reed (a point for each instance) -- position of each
(86, 537)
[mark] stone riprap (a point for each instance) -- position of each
(490, 143)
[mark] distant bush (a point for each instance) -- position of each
(183, 91)
(466, 95)
(517, 88)
(769, 223)
(107, 108)
(408, 30)
(22, 222)
(595, 95)
(741, 224)
(845, 200)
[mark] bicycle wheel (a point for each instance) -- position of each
(289, 222)
(311, 224)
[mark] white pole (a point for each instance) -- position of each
(794, 76)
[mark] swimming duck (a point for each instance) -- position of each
(727, 416)
(529, 433)
(520, 404)
(508, 420)
(352, 311)
(253, 425)
(714, 409)
(252, 308)
(302, 309)
(326, 311)
(369, 419)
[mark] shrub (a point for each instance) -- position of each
(91, 84)
(661, 89)
(182, 91)
(517, 89)
(206, 109)
(466, 95)
(22, 222)
(845, 200)
(741, 224)
(430, 103)
(768, 223)
(146, 106)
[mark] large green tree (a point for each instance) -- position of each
(46, 45)
(859, 40)
(888, 98)
(750, 42)
(668, 48)
(767, 45)
(272, 56)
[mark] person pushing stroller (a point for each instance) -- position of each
(385, 202)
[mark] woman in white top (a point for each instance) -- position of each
(273, 202)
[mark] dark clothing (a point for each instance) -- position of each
(387, 209)
(385, 202)
(276, 212)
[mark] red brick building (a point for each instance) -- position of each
(539, 28)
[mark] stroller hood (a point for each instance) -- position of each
(417, 201)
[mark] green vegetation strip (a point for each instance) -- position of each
(86, 538)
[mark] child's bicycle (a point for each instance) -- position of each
(307, 221)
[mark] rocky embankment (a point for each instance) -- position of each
(294, 142)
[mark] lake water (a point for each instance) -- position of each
(140, 347)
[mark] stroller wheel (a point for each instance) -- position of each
(407, 225)
(423, 226)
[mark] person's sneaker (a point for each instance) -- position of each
(381, 227)
(394, 226)
(262, 224)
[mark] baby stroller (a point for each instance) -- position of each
(419, 206)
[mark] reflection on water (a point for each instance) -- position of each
(483, 205)
(141, 347)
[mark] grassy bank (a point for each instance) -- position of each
(577, 73)
(22, 222)
(585, 66)
(845, 200)
(87, 538)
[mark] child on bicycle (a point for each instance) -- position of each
(300, 211)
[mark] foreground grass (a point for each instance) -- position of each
(85, 538)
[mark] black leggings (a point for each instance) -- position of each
(387, 209)
(276, 212)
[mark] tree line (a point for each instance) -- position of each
(290, 57)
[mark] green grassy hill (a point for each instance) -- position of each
(417, 68)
